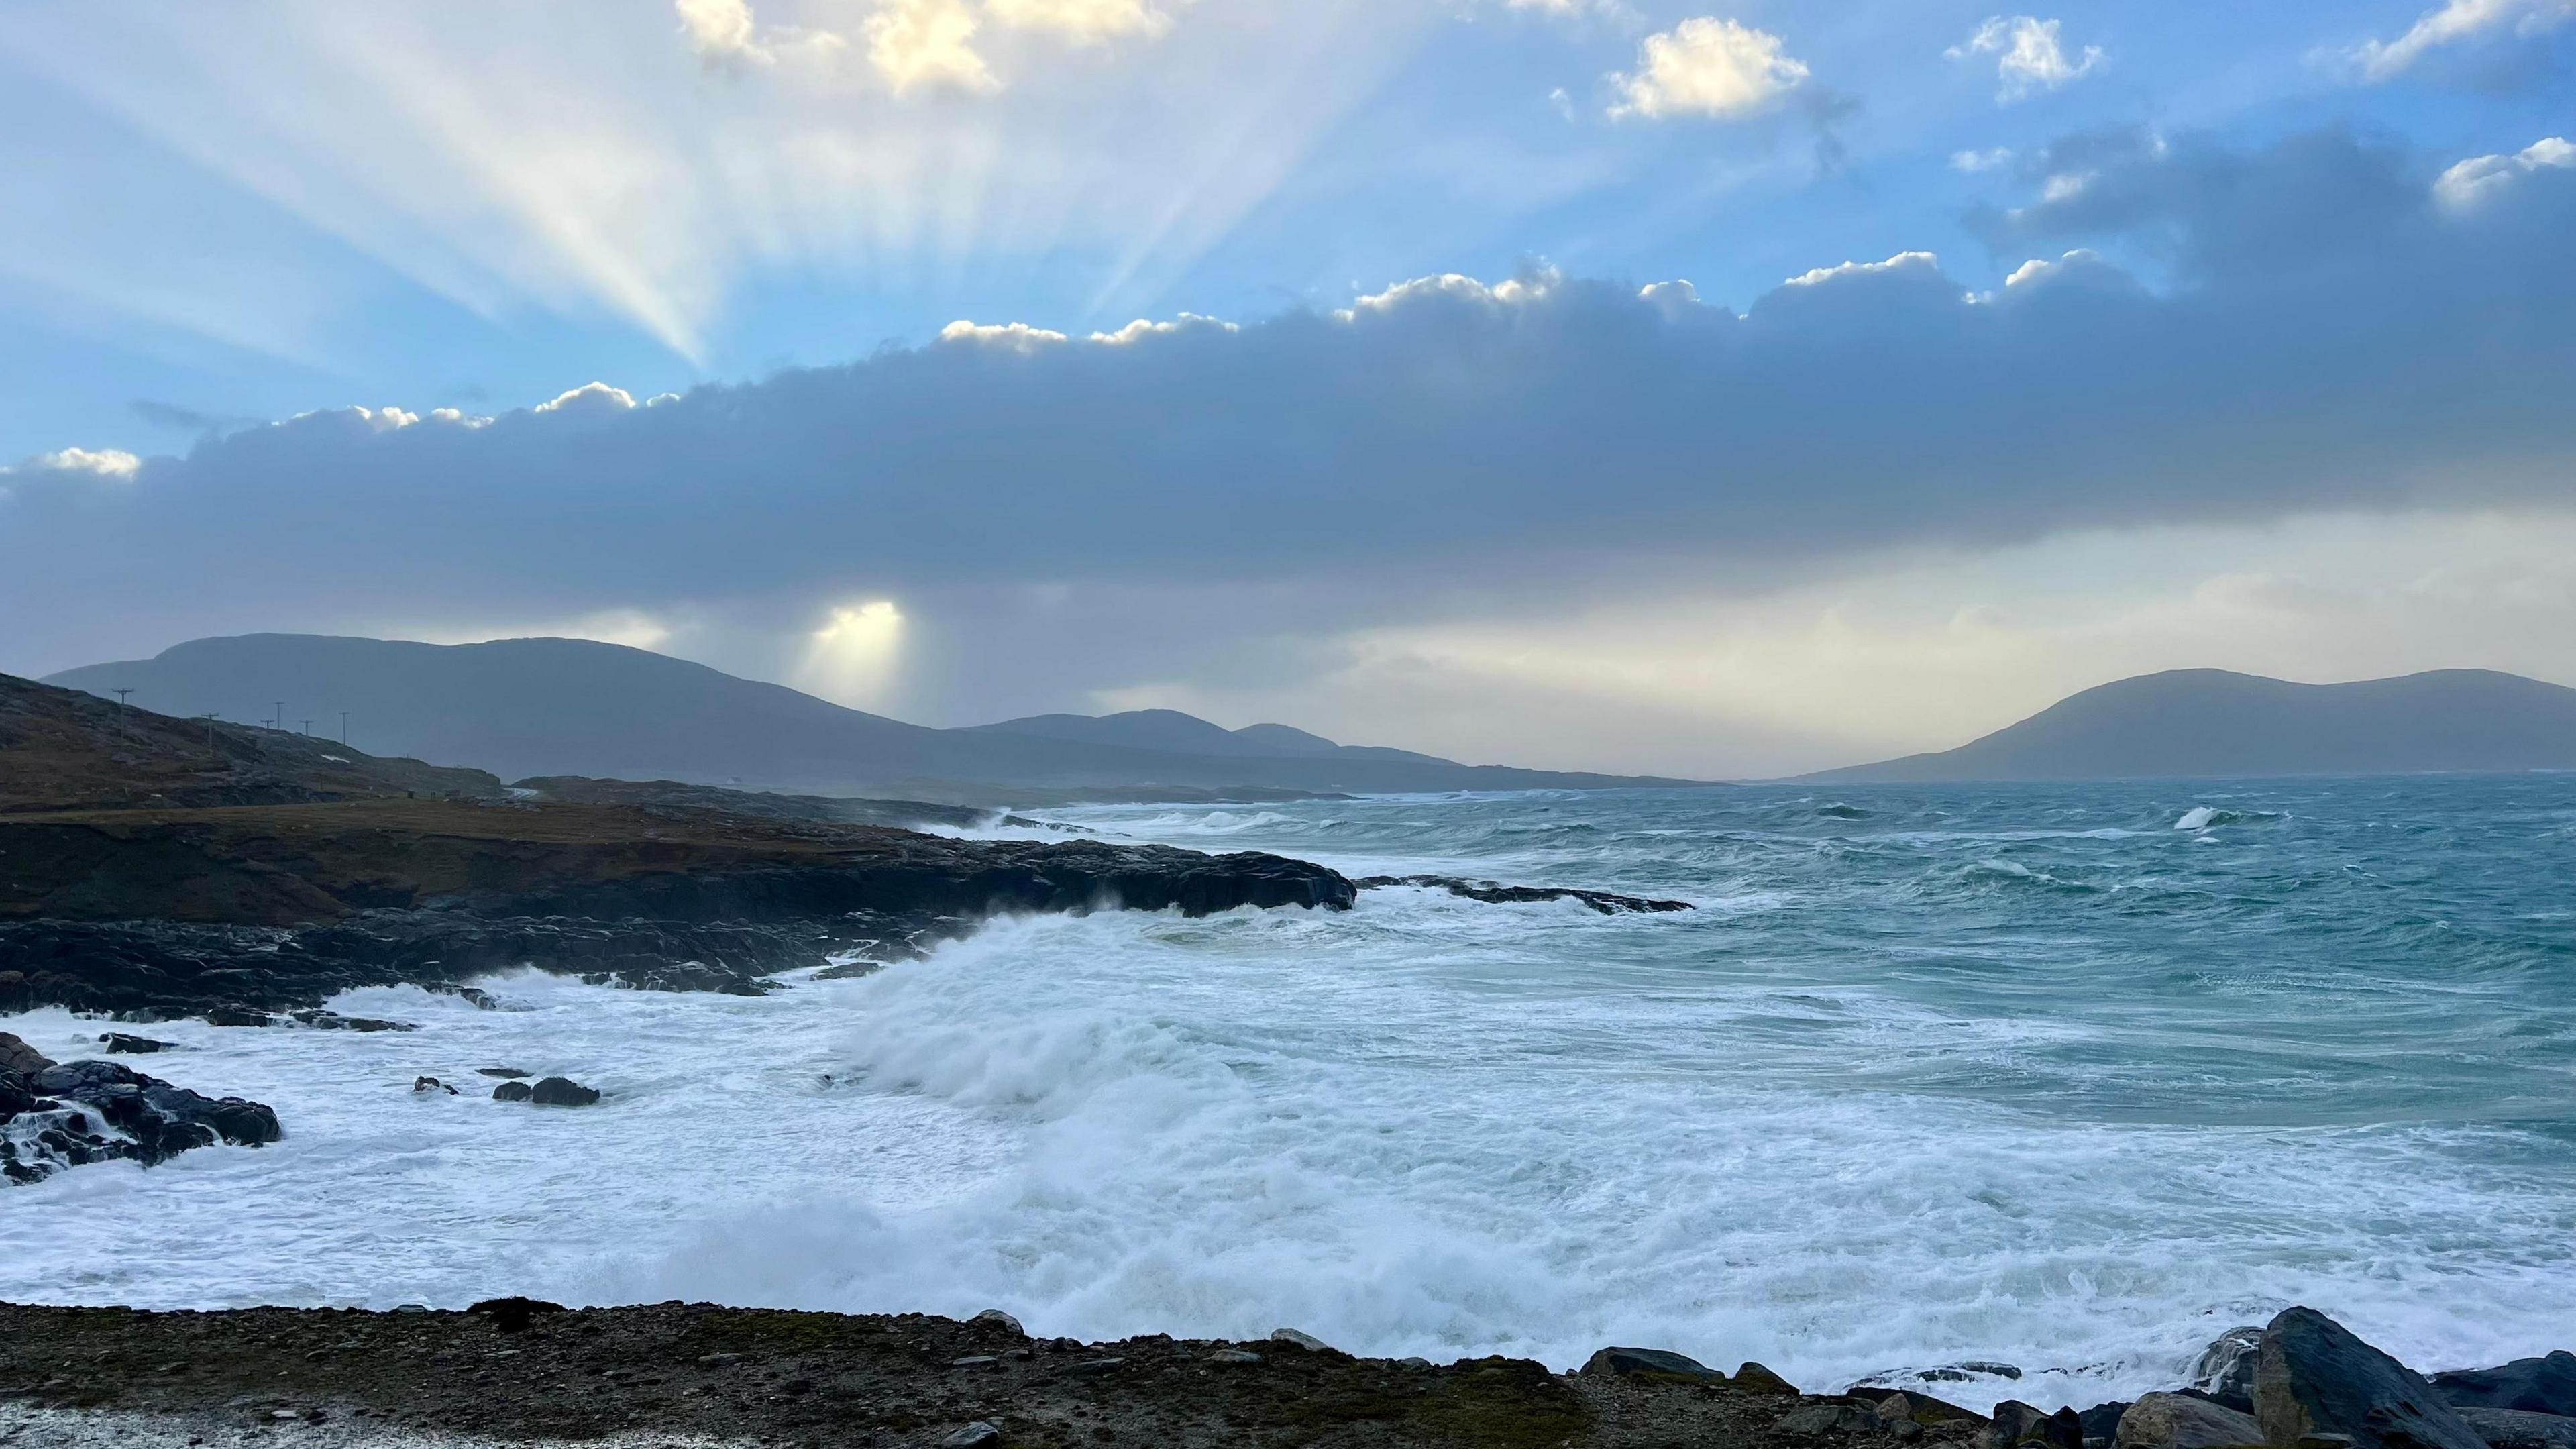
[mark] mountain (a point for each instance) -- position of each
(1171, 730)
(528, 707)
(2209, 723)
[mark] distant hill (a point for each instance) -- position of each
(558, 707)
(2209, 723)
(1171, 730)
(61, 749)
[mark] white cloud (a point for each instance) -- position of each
(1924, 262)
(918, 44)
(590, 397)
(2028, 55)
(1142, 328)
(114, 464)
(1011, 337)
(1084, 22)
(720, 31)
(2457, 21)
(2472, 181)
(1987, 160)
(1706, 67)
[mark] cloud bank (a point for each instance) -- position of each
(2200, 334)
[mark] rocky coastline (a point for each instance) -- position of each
(519, 1372)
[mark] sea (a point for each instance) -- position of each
(2065, 1078)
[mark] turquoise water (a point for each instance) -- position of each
(2073, 1078)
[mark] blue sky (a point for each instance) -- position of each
(216, 219)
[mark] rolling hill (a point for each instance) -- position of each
(2209, 723)
(527, 707)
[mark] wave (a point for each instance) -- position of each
(2210, 817)
(1843, 812)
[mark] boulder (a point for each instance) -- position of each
(16, 1056)
(119, 1044)
(432, 1084)
(2315, 1377)
(1651, 1363)
(2225, 1369)
(997, 1319)
(2521, 1429)
(512, 1315)
(561, 1092)
(512, 1092)
(1293, 1337)
(2016, 1423)
(2182, 1421)
(2533, 1385)
(2102, 1421)
(1753, 1378)
(507, 1074)
(1829, 1416)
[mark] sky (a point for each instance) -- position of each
(1702, 389)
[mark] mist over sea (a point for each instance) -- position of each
(2070, 1077)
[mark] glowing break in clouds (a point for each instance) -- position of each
(853, 658)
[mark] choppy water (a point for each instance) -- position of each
(2071, 1077)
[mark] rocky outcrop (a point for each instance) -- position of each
(2225, 1369)
(562, 1092)
(2016, 1423)
(2521, 1429)
(1653, 1363)
(2544, 1385)
(2183, 1421)
(2315, 1377)
(1608, 903)
(75, 1113)
(16, 1056)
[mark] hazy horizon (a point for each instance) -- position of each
(1601, 384)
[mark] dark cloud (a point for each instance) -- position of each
(2325, 333)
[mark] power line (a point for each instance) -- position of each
(121, 702)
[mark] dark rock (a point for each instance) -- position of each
(16, 1056)
(2015, 1423)
(1296, 1339)
(2183, 1421)
(120, 1044)
(507, 1073)
(2225, 1370)
(1753, 1378)
(1928, 1411)
(147, 1120)
(2315, 1377)
(226, 1015)
(511, 1315)
(561, 1092)
(2102, 1421)
(1828, 1416)
(432, 1084)
(994, 1318)
(2521, 1428)
(2533, 1385)
(1651, 1363)
(1607, 903)
(333, 1021)
(973, 1436)
(512, 1092)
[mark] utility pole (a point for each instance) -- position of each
(308, 727)
(280, 721)
(344, 726)
(210, 731)
(121, 701)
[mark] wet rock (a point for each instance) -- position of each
(221, 1015)
(16, 1056)
(512, 1092)
(2520, 1428)
(1651, 1363)
(1930, 1412)
(1233, 1355)
(561, 1092)
(1753, 1378)
(973, 1436)
(505, 1073)
(75, 1113)
(2533, 1385)
(321, 1020)
(996, 1318)
(2102, 1421)
(1608, 903)
(2016, 1423)
(2225, 1369)
(2181, 1421)
(120, 1044)
(1295, 1339)
(432, 1084)
(513, 1314)
(2315, 1377)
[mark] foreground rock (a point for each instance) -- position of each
(2180, 1421)
(76, 1113)
(2532, 1385)
(515, 1371)
(242, 915)
(1608, 903)
(2315, 1377)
